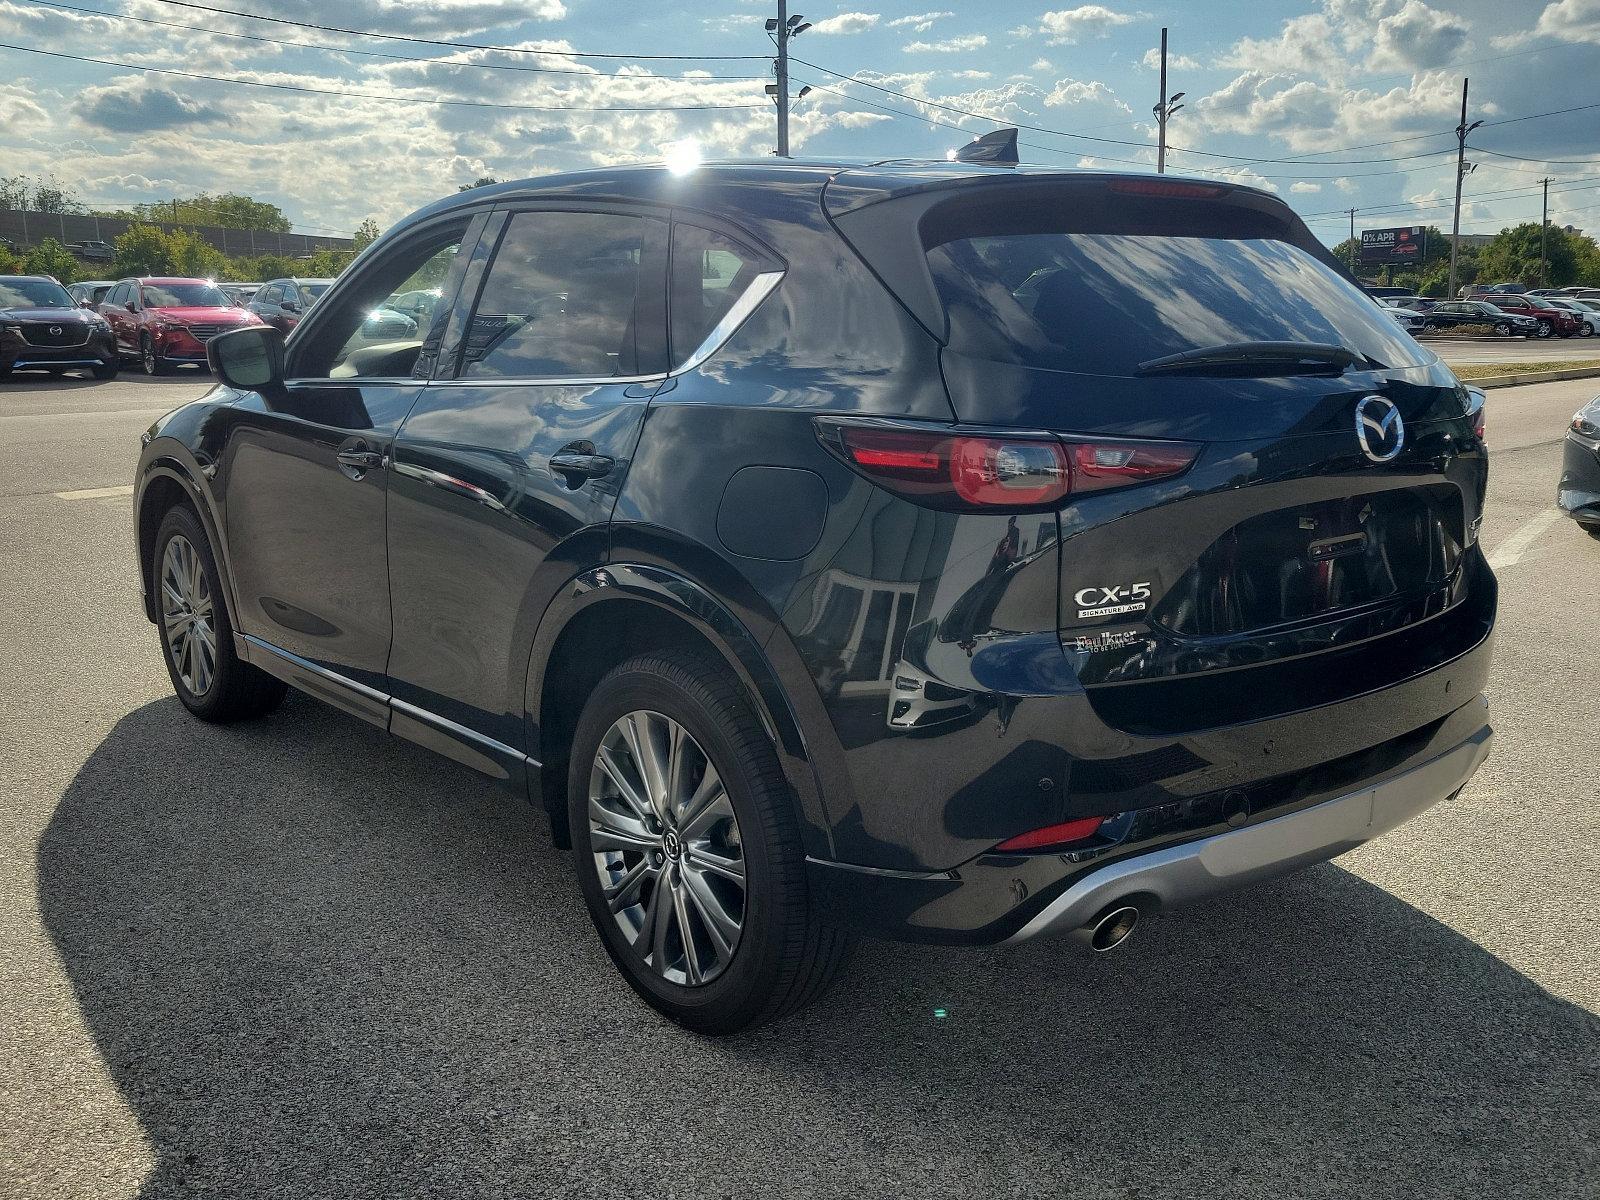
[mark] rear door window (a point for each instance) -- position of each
(563, 299)
(1101, 303)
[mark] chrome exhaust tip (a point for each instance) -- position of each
(1114, 926)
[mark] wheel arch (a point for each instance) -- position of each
(165, 480)
(608, 614)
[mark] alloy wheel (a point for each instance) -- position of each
(666, 846)
(148, 354)
(188, 615)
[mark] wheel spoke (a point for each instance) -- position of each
(708, 806)
(644, 937)
(731, 869)
(628, 793)
(691, 953)
(609, 830)
(709, 789)
(624, 893)
(643, 750)
(722, 925)
(662, 901)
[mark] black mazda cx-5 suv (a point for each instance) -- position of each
(941, 552)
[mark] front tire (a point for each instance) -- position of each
(107, 370)
(211, 680)
(688, 849)
(152, 362)
(1544, 330)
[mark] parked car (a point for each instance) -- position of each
(1414, 303)
(240, 293)
(283, 302)
(88, 293)
(1408, 319)
(42, 329)
(1491, 289)
(1458, 313)
(1589, 318)
(166, 322)
(95, 251)
(1578, 494)
(1552, 321)
(688, 470)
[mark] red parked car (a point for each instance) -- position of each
(1552, 320)
(164, 322)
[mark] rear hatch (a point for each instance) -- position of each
(1126, 307)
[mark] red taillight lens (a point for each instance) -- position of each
(1163, 187)
(1054, 835)
(993, 470)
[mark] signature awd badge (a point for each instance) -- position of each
(1379, 428)
(1109, 601)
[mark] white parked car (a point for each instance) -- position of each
(1409, 320)
(1586, 310)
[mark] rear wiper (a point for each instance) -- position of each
(1282, 355)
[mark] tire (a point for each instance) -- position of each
(774, 956)
(1592, 530)
(1502, 330)
(107, 370)
(152, 362)
(1544, 330)
(1586, 330)
(211, 680)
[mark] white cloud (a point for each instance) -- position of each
(1418, 37)
(1175, 62)
(971, 75)
(955, 45)
(1068, 92)
(1571, 21)
(1068, 25)
(1301, 187)
(850, 22)
(919, 22)
(1041, 64)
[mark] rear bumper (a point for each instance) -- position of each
(1195, 870)
(1578, 493)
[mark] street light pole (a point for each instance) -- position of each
(781, 30)
(1163, 110)
(1461, 173)
(1544, 237)
(1352, 213)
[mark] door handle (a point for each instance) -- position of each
(578, 467)
(357, 461)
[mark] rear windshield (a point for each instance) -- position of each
(1101, 303)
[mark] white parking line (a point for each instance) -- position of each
(1509, 552)
(95, 493)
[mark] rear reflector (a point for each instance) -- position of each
(1054, 835)
(990, 470)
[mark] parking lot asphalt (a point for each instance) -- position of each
(1514, 350)
(298, 958)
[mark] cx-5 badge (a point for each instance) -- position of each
(1379, 428)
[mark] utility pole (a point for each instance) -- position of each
(1352, 213)
(1461, 173)
(1165, 107)
(781, 30)
(1544, 237)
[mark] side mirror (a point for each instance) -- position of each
(129, 306)
(290, 306)
(250, 359)
(89, 304)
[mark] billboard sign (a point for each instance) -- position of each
(1402, 245)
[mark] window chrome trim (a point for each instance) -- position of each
(548, 380)
(461, 731)
(760, 288)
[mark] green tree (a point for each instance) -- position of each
(1513, 256)
(143, 250)
(481, 181)
(229, 210)
(327, 263)
(40, 193)
(263, 267)
(1586, 261)
(50, 257)
(193, 255)
(10, 264)
(366, 233)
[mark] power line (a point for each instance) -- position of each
(397, 37)
(292, 87)
(405, 58)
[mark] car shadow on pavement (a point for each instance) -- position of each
(319, 961)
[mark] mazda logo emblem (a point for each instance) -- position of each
(55, 331)
(1379, 428)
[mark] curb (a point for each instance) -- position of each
(1500, 381)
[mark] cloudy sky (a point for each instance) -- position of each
(1332, 103)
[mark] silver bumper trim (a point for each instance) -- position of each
(1194, 870)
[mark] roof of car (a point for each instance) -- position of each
(879, 179)
(296, 279)
(40, 278)
(141, 279)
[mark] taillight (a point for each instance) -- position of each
(970, 470)
(1054, 835)
(1165, 187)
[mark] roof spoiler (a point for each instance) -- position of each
(998, 147)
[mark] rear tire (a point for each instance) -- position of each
(1544, 330)
(1503, 330)
(673, 846)
(196, 631)
(107, 370)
